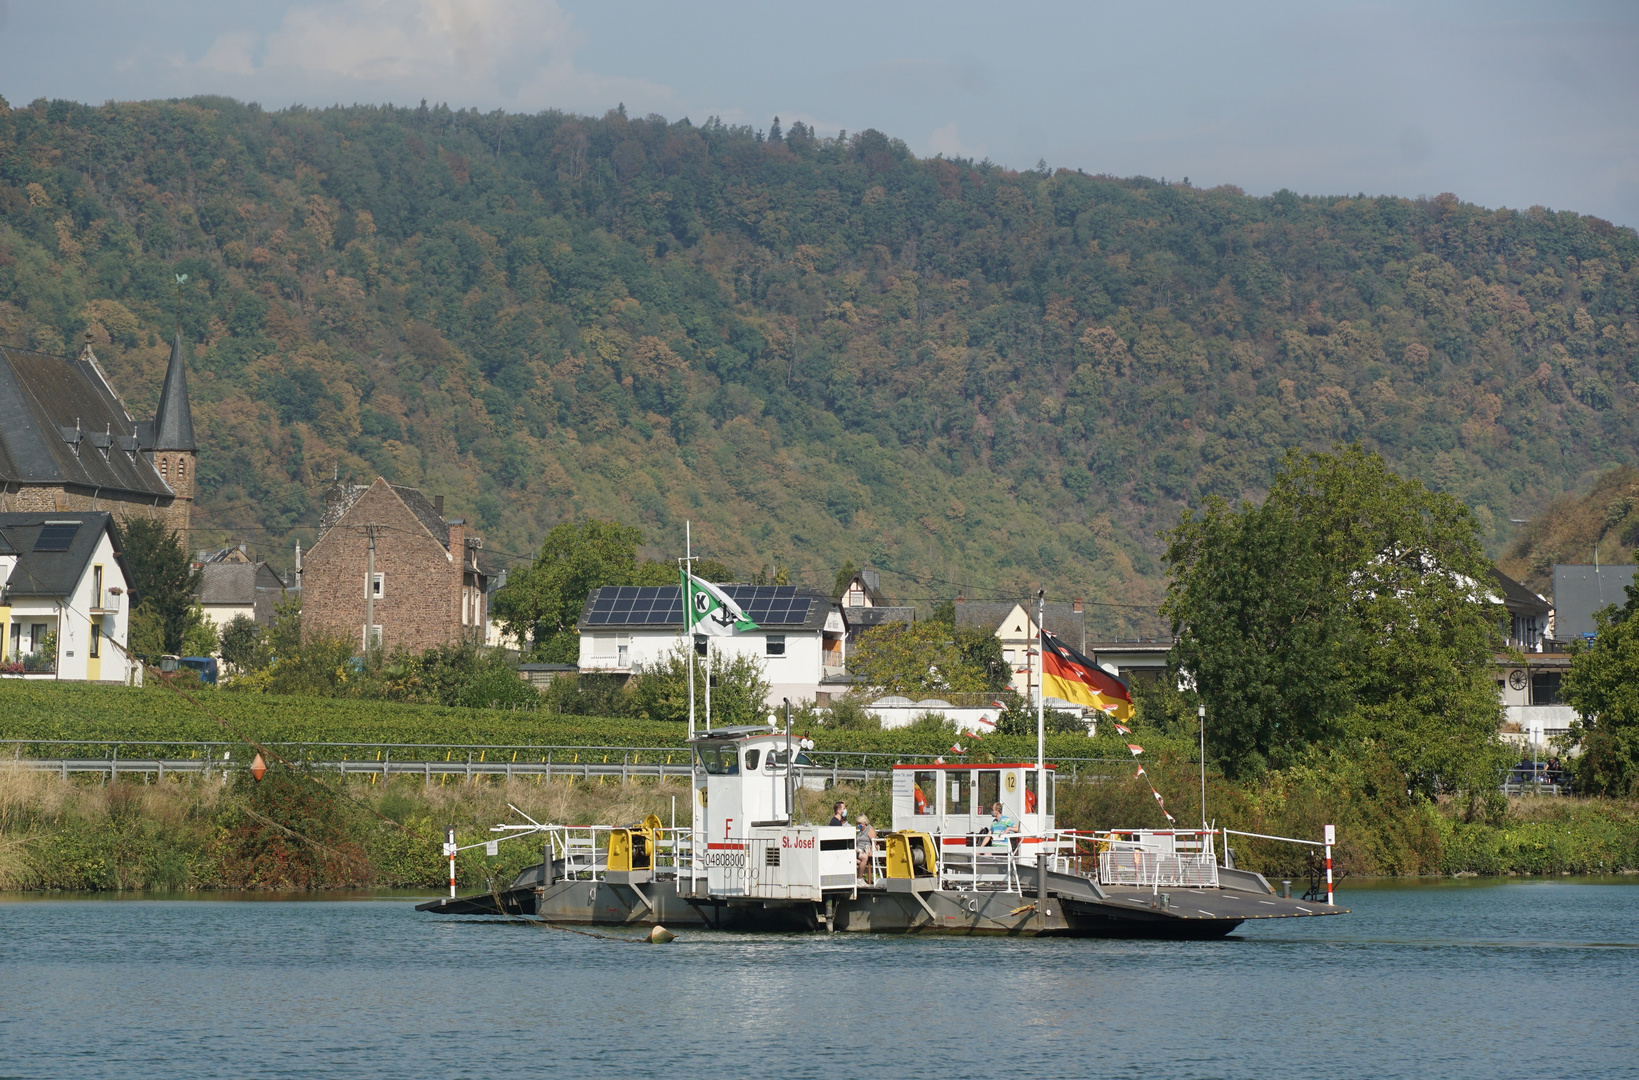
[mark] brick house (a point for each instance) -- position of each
(68, 444)
(430, 584)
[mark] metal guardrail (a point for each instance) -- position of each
(401, 759)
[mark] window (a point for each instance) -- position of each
(165, 468)
(960, 798)
(96, 639)
(924, 792)
(990, 789)
(751, 760)
(719, 760)
(181, 467)
(1545, 687)
(378, 585)
(774, 645)
(612, 650)
(375, 636)
(96, 589)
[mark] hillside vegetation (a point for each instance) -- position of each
(815, 348)
(1573, 526)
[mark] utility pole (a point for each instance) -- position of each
(1200, 711)
(1041, 700)
(370, 592)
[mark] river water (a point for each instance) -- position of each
(1527, 978)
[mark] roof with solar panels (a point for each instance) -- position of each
(660, 607)
(53, 549)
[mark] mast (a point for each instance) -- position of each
(1041, 701)
(688, 627)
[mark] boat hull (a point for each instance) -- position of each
(1068, 910)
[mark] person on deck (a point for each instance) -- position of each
(1001, 827)
(865, 846)
(839, 814)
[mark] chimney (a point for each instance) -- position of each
(438, 505)
(1075, 605)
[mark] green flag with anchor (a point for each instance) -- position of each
(709, 610)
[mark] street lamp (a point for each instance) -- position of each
(1200, 712)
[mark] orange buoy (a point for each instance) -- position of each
(258, 768)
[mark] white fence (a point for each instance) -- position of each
(1157, 868)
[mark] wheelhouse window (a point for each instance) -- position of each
(718, 760)
(751, 760)
(924, 792)
(990, 789)
(959, 798)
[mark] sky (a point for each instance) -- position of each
(1507, 103)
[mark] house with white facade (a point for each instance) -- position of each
(65, 601)
(1015, 625)
(800, 636)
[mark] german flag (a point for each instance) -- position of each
(1069, 675)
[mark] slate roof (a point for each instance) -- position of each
(1062, 619)
(860, 619)
(1516, 597)
(227, 583)
(172, 428)
(60, 423)
(1579, 591)
(55, 573)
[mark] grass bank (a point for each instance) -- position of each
(293, 832)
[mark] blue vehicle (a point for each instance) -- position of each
(204, 665)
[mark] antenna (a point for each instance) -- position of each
(181, 280)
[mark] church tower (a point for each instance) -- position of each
(173, 450)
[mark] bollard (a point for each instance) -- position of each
(1286, 889)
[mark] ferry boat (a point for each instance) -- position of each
(751, 863)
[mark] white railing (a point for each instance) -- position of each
(1133, 866)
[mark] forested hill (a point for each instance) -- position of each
(818, 349)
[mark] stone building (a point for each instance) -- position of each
(430, 583)
(68, 444)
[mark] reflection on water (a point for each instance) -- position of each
(1455, 980)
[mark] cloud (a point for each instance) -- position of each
(943, 140)
(913, 78)
(512, 53)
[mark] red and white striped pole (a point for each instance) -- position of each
(1331, 838)
(449, 849)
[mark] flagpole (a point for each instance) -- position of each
(1041, 701)
(688, 638)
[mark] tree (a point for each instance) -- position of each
(241, 642)
(1603, 687)
(845, 574)
(915, 661)
(542, 602)
(1349, 606)
(660, 691)
(165, 581)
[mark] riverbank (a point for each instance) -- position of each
(294, 832)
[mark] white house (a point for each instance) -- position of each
(66, 599)
(800, 635)
(1015, 624)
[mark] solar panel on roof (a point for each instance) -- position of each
(56, 536)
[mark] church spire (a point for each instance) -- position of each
(173, 421)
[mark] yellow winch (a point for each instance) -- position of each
(632, 848)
